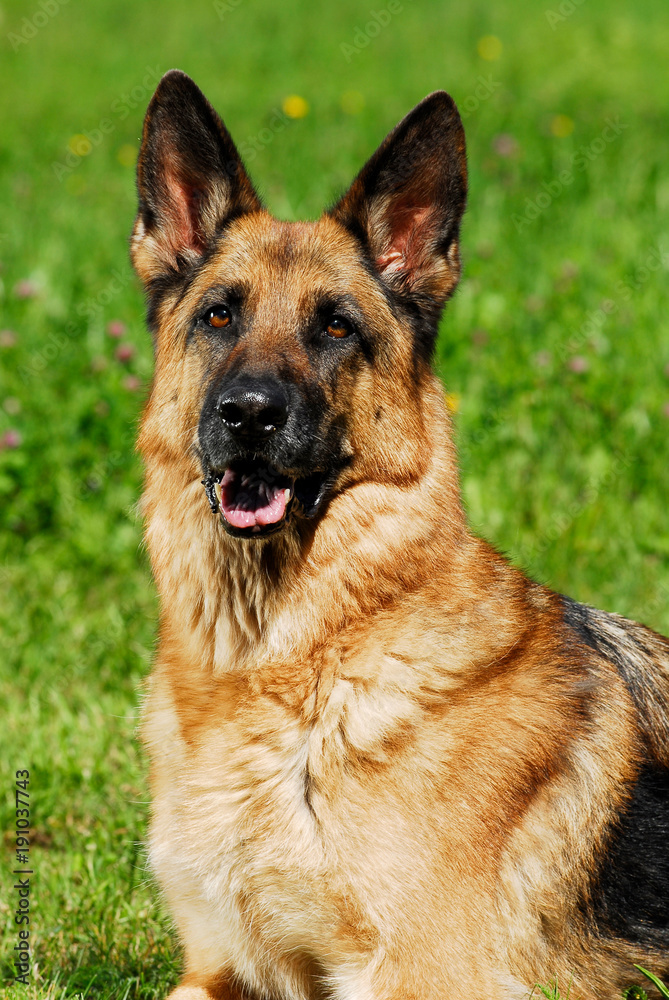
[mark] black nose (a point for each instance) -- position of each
(253, 410)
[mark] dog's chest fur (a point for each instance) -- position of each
(261, 834)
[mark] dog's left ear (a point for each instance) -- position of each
(190, 180)
(407, 202)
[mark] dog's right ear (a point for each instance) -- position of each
(190, 180)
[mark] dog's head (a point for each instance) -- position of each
(289, 356)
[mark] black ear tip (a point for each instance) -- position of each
(439, 101)
(439, 96)
(174, 76)
(438, 111)
(176, 82)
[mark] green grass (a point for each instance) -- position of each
(636, 993)
(562, 407)
(552, 991)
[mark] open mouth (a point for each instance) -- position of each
(255, 500)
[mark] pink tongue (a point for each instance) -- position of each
(252, 502)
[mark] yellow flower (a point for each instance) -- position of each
(127, 155)
(489, 47)
(295, 106)
(453, 401)
(80, 145)
(562, 126)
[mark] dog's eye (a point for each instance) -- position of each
(218, 317)
(338, 328)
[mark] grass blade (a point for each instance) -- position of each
(657, 982)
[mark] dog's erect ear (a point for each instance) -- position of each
(407, 202)
(190, 179)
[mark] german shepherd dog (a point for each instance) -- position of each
(385, 765)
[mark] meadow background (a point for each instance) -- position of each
(554, 355)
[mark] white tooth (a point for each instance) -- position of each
(288, 493)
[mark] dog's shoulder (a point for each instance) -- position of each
(640, 656)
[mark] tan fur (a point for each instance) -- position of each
(370, 780)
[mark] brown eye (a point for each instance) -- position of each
(338, 328)
(218, 317)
